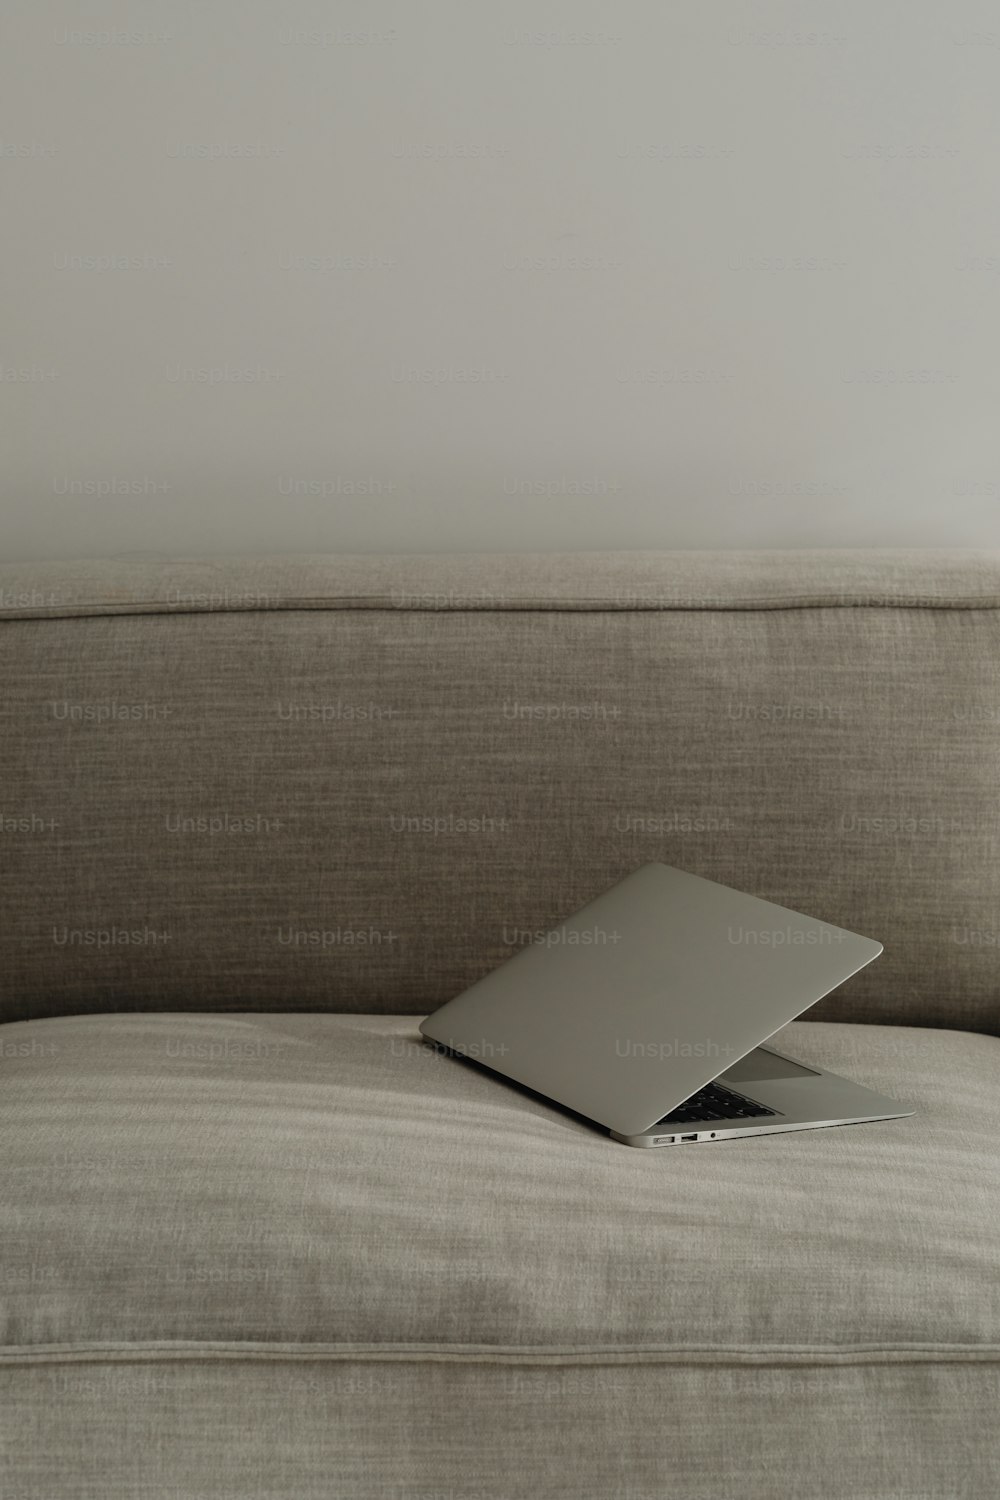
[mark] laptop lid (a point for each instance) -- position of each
(646, 994)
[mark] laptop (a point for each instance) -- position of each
(646, 1011)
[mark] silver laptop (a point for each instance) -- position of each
(645, 1011)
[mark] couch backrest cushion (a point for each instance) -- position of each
(357, 783)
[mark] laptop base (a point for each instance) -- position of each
(796, 1097)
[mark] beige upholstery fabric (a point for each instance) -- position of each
(353, 1429)
(259, 1242)
(358, 783)
(279, 1243)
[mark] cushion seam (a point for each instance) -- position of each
(106, 608)
(229, 1351)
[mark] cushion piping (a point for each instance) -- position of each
(536, 604)
(486, 1354)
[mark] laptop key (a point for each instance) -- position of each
(714, 1102)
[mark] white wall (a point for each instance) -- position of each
(718, 274)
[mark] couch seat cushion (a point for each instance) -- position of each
(332, 1180)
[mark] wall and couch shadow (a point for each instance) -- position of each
(448, 277)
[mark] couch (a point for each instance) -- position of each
(260, 815)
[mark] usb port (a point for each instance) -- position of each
(689, 1137)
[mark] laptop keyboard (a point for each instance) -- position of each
(714, 1102)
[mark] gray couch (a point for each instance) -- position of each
(261, 815)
